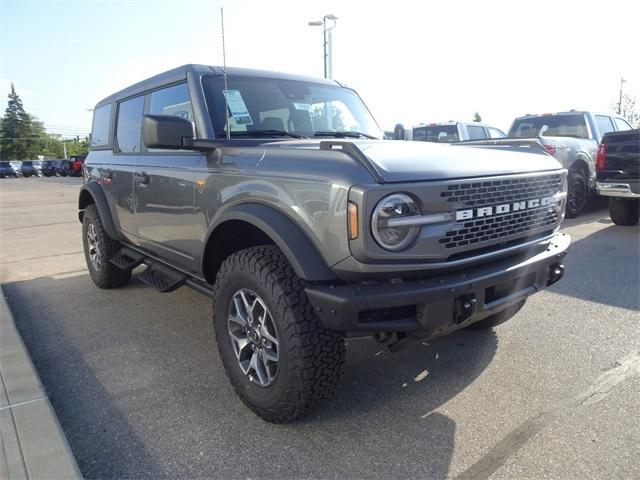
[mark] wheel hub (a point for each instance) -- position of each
(95, 255)
(253, 337)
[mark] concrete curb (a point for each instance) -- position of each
(32, 444)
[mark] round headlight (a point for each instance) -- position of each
(393, 235)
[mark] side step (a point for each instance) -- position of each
(127, 259)
(163, 279)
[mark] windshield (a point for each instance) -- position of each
(436, 133)
(265, 107)
(550, 126)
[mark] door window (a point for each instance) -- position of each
(172, 101)
(622, 124)
(128, 130)
(604, 124)
(495, 133)
(476, 132)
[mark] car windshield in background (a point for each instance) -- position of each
(265, 107)
(550, 126)
(436, 133)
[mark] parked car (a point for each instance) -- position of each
(618, 175)
(304, 234)
(75, 165)
(49, 167)
(7, 169)
(452, 132)
(572, 138)
(29, 168)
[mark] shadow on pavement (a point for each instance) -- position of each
(604, 267)
(135, 379)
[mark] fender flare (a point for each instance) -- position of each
(94, 191)
(303, 255)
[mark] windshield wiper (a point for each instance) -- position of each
(344, 134)
(264, 133)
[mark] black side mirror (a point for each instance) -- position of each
(398, 132)
(166, 131)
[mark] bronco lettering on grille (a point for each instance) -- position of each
(504, 208)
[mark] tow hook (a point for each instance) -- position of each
(464, 306)
(556, 272)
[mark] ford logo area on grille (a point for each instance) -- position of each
(504, 208)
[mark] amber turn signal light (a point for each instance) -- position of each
(353, 221)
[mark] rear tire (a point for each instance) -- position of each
(98, 249)
(306, 365)
(497, 319)
(624, 211)
(577, 192)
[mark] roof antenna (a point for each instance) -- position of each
(224, 71)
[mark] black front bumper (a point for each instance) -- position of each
(438, 305)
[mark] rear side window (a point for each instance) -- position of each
(172, 101)
(129, 126)
(622, 124)
(565, 125)
(604, 124)
(419, 134)
(100, 130)
(476, 132)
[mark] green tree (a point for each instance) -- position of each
(629, 109)
(21, 135)
(320, 119)
(477, 117)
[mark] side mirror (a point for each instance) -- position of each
(398, 132)
(166, 131)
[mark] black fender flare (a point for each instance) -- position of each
(92, 193)
(304, 257)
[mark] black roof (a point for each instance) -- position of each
(180, 74)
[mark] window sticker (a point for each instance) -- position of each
(237, 107)
(302, 106)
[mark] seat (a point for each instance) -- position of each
(271, 123)
(300, 120)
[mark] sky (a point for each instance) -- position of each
(411, 61)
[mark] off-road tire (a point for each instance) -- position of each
(624, 211)
(311, 357)
(497, 319)
(108, 275)
(577, 193)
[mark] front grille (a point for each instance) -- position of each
(490, 192)
(478, 233)
(502, 226)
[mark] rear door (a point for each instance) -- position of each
(164, 187)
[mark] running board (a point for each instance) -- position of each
(127, 259)
(164, 279)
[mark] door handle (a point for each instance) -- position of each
(141, 178)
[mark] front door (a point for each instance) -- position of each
(165, 188)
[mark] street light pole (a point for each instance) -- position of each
(327, 45)
(622, 80)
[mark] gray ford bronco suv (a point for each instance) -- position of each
(276, 196)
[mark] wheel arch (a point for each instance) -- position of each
(91, 193)
(252, 224)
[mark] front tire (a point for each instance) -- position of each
(624, 211)
(498, 318)
(279, 358)
(577, 193)
(98, 249)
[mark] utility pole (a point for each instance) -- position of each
(622, 80)
(327, 44)
(64, 147)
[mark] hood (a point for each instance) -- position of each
(401, 161)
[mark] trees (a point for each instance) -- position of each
(17, 130)
(628, 108)
(23, 136)
(477, 117)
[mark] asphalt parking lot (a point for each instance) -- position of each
(138, 388)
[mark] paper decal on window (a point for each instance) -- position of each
(237, 107)
(302, 106)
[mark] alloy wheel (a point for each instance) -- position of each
(253, 337)
(95, 255)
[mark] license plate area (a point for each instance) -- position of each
(502, 290)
